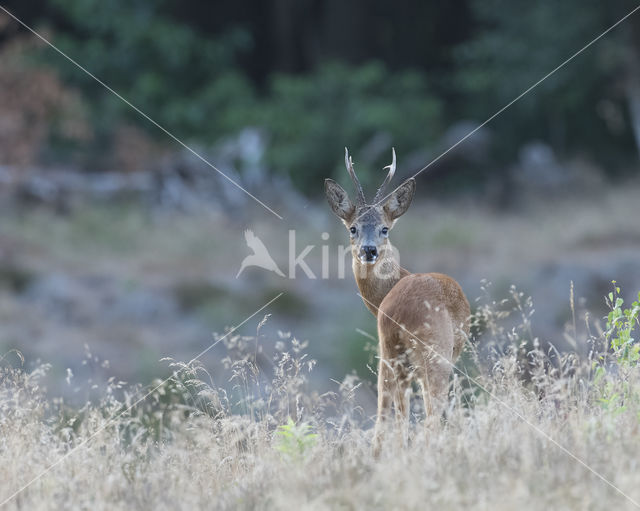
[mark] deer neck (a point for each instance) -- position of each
(376, 280)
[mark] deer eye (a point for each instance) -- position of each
(352, 230)
(385, 231)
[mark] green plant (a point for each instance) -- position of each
(621, 325)
(612, 376)
(293, 440)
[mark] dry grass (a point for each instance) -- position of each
(217, 441)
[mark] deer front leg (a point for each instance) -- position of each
(385, 382)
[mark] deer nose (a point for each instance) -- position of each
(370, 252)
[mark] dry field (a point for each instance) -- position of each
(525, 429)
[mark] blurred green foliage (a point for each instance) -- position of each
(313, 81)
(311, 118)
(186, 80)
(191, 83)
(580, 108)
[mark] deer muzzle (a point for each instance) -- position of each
(368, 254)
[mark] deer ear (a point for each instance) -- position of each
(339, 200)
(400, 199)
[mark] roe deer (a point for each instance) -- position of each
(423, 318)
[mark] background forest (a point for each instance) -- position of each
(313, 76)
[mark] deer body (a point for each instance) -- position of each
(422, 318)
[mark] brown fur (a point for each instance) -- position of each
(423, 323)
(374, 287)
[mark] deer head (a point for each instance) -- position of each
(369, 224)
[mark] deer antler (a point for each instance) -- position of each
(392, 171)
(360, 200)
